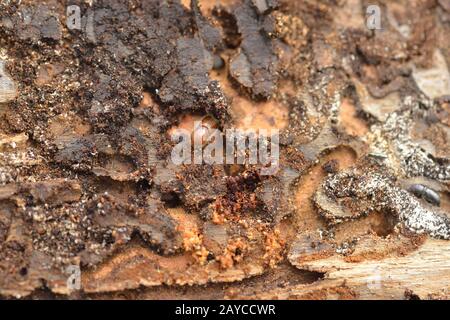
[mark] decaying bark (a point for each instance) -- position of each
(359, 207)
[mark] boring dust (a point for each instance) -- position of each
(247, 114)
(305, 219)
(183, 275)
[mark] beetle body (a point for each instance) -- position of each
(421, 191)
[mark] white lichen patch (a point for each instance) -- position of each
(406, 156)
(379, 193)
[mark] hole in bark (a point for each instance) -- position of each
(171, 199)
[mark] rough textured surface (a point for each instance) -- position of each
(86, 177)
